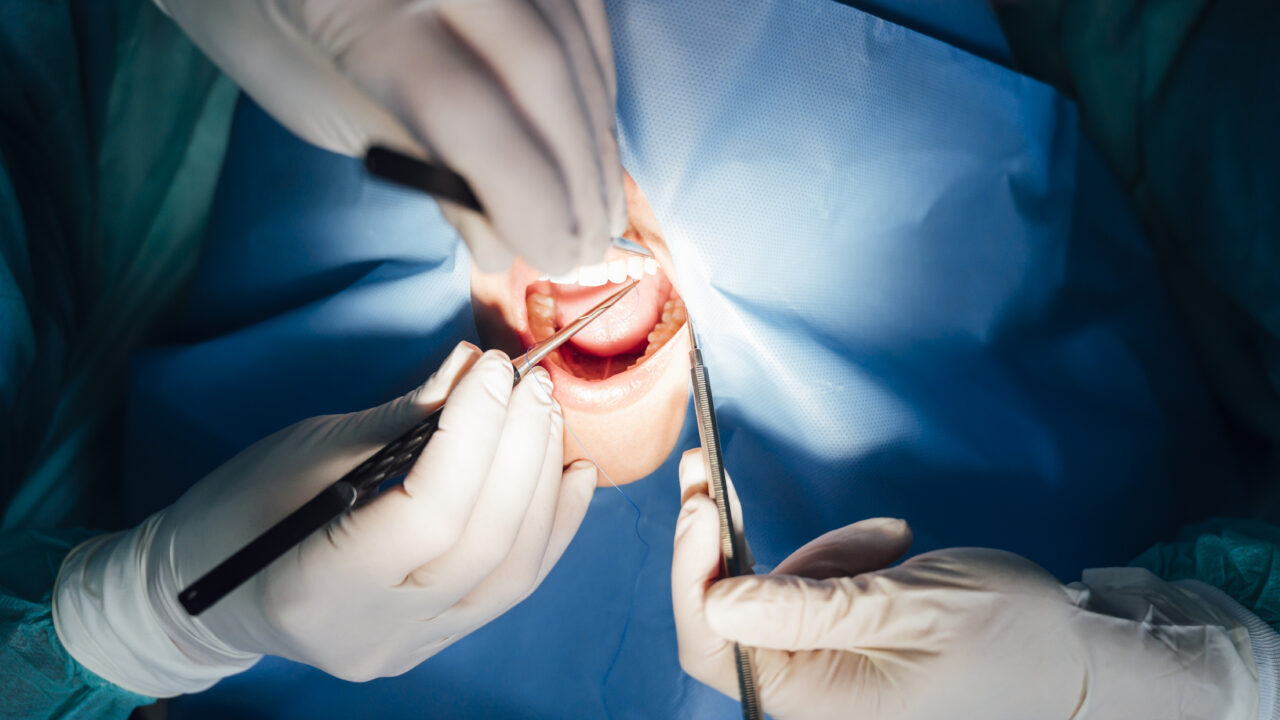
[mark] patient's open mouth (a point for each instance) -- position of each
(613, 360)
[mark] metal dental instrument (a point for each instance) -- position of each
(355, 488)
(524, 364)
(633, 248)
(441, 182)
(734, 565)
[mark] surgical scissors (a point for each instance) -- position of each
(356, 487)
(732, 555)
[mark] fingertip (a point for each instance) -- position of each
(544, 382)
(463, 355)
(883, 522)
(693, 474)
(493, 371)
(900, 528)
(441, 382)
(582, 476)
(496, 356)
(582, 466)
(884, 530)
(577, 485)
(862, 547)
(487, 380)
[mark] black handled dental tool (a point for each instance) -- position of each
(356, 487)
(435, 180)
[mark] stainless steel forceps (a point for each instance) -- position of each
(734, 558)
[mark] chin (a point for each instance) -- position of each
(622, 381)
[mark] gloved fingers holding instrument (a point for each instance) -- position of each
(483, 514)
(963, 633)
(517, 96)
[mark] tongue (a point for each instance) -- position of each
(622, 327)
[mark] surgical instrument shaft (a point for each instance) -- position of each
(632, 248)
(356, 487)
(713, 460)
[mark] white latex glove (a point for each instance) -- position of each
(517, 96)
(958, 634)
(479, 521)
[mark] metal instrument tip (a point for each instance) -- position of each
(525, 363)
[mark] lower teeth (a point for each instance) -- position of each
(673, 316)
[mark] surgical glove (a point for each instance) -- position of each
(478, 522)
(963, 634)
(518, 96)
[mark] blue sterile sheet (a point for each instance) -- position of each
(921, 296)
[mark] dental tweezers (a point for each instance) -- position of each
(442, 183)
(356, 487)
(712, 458)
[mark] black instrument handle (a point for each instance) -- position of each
(435, 180)
(355, 488)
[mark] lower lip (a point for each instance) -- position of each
(577, 393)
(611, 393)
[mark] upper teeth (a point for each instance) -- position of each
(614, 271)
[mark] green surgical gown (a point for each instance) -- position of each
(112, 131)
(1183, 99)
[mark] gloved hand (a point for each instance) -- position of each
(479, 521)
(959, 634)
(518, 96)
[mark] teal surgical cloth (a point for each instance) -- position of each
(112, 128)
